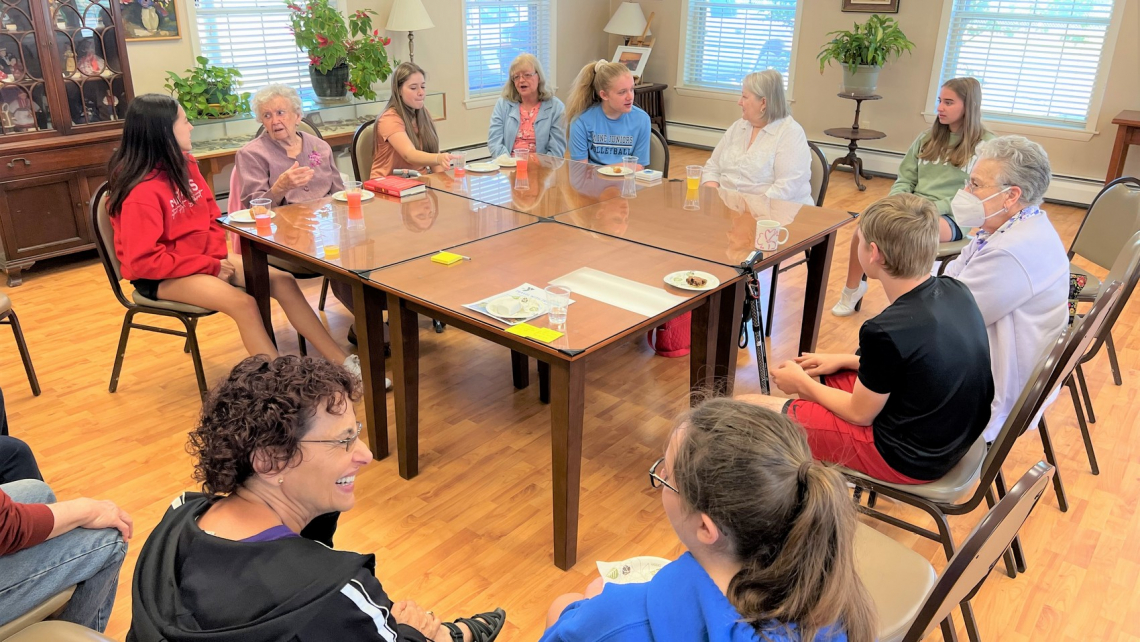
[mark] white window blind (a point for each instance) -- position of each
(253, 36)
(728, 39)
(1037, 60)
(497, 32)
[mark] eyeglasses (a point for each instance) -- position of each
(347, 442)
(656, 481)
(971, 186)
(525, 74)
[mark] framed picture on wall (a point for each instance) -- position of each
(150, 19)
(871, 6)
(633, 57)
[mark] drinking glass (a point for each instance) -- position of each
(693, 176)
(630, 163)
(353, 194)
(259, 209)
(459, 164)
(330, 236)
(692, 200)
(558, 298)
(521, 155)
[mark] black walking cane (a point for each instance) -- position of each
(752, 313)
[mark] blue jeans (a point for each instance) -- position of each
(87, 559)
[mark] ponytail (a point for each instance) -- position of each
(595, 76)
(789, 520)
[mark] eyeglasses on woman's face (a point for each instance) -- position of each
(657, 481)
(347, 442)
(523, 75)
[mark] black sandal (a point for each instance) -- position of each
(485, 627)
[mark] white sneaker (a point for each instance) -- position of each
(352, 364)
(849, 299)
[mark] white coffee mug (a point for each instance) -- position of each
(768, 235)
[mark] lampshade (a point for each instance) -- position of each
(628, 20)
(409, 15)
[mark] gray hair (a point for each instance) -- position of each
(276, 90)
(768, 84)
(1021, 162)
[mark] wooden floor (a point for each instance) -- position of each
(473, 531)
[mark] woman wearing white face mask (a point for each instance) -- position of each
(1016, 267)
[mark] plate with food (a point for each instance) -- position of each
(516, 307)
(365, 195)
(482, 167)
(243, 216)
(615, 170)
(505, 161)
(692, 280)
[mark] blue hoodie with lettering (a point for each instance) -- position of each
(603, 140)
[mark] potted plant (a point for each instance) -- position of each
(343, 56)
(864, 51)
(208, 91)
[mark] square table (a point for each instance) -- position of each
(384, 231)
(538, 254)
(553, 185)
(724, 230)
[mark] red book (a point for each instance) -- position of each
(395, 186)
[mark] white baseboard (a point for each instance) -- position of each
(1062, 189)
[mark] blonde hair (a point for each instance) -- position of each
(426, 140)
(788, 519)
(526, 60)
(937, 147)
(905, 229)
(595, 77)
(769, 85)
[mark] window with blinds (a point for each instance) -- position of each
(254, 36)
(1038, 60)
(497, 32)
(728, 39)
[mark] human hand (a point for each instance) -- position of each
(816, 364)
(226, 271)
(791, 378)
(409, 613)
(444, 160)
(292, 178)
(98, 514)
(712, 184)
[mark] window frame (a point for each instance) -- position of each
(1013, 125)
(724, 94)
(489, 100)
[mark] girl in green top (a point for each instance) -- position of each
(934, 168)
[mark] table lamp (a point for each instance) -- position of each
(409, 15)
(629, 21)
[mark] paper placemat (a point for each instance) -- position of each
(620, 292)
(634, 570)
(524, 290)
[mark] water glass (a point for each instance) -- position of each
(558, 298)
(630, 163)
(459, 164)
(693, 176)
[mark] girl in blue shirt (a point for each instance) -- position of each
(605, 125)
(770, 537)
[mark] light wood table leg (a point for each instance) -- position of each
(404, 324)
(368, 303)
(819, 262)
(567, 401)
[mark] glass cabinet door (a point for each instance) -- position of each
(91, 63)
(23, 99)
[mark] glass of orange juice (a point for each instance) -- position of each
(330, 238)
(693, 176)
(521, 155)
(352, 193)
(259, 211)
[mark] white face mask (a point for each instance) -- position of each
(968, 209)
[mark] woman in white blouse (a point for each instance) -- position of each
(765, 152)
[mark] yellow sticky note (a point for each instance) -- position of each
(446, 258)
(522, 329)
(545, 335)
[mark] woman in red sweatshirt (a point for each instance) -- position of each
(169, 243)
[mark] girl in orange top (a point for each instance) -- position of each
(405, 133)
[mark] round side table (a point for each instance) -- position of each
(854, 134)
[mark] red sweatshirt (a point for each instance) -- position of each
(161, 235)
(22, 525)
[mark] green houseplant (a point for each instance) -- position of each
(864, 51)
(343, 56)
(208, 91)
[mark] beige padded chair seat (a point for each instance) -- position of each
(897, 578)
(957, 483)
(45, 609)
(1091, 289)
(5, 303)
(953, 248)
(168, 305)
(55, 631)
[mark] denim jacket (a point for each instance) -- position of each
(549, 127)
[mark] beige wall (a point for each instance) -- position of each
(903, 84)
(579, 38)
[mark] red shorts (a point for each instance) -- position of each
(833, 439)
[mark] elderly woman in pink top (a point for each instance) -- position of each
(282, 164)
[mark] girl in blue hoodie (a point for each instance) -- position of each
(770, 538)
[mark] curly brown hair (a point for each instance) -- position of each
(263, 405)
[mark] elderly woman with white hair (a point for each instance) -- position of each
(528, 114)
(1015, 267)
(283, 164)
(765, 152)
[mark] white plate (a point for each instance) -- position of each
(365, 195)
(516, 307)
(677, 279)
(615, 171)
(504, 161)
(242, 216)
(482, 167)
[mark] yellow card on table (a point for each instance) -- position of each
(545, 335)
(446, 258)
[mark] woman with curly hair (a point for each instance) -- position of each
(277, 446)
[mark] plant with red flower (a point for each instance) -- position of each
(322, 32)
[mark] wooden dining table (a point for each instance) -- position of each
(621, 274)
(384, 231)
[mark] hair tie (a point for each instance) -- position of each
(598, 65)
(802, 480)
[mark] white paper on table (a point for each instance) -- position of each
(631, 571)
(619, 292)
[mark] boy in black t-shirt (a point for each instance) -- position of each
(917, 396)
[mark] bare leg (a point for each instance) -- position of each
(775, 404)
(210, 292)
(854, 269)
(559, 605)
